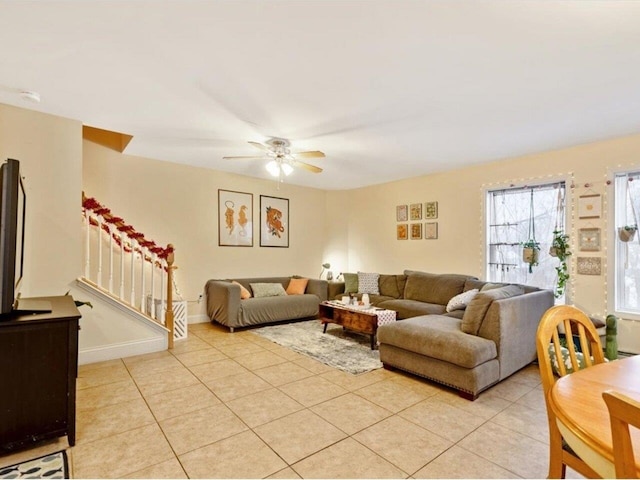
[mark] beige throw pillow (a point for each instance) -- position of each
(477, 308)
(267, 290)
(460, 302)
(244, 293)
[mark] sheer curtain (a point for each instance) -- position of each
(514, 216)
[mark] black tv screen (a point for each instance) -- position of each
(12, 227)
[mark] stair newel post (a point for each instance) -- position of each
(121, 265)
(87, 257)
(163, 266)
(169, 315)
(100, 224)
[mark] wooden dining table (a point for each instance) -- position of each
(582, 415)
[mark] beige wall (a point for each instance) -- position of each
(372, 244)
(172, 203)
(49, 149)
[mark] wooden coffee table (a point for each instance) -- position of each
(354, 319)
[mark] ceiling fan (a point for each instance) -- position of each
(281, 160)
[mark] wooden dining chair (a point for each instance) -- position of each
(623, 411)
(554, 323)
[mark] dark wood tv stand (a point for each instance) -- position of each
(38, 370)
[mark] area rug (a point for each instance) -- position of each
(347, 351)
(53, 465)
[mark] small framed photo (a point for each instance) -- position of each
(274, 222)
(402, 213)
(430, 210)
(590, 206)
(235, 219)
(430, 230)
(416, 231)
(416, 211)
(589, 266)
(589, 239)
(402, 231)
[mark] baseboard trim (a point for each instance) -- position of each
(199, 318)
(122, 350)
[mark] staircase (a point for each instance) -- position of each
(126, 269)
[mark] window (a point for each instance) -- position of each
(627, 254)
(513, 217)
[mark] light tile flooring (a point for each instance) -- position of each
(223, 405)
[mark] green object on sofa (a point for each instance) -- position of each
(350, 283)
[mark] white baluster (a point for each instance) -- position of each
(99, 252)
(110, 259)
(87, 258)
(153, 293)
(143, 305)
(133, 280)
(121, 265)
(163, 275)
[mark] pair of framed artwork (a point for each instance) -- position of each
(235, 220)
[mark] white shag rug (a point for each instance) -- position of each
(339, 348)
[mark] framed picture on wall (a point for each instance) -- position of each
(590, 206)
(431, 230)
(416, 231)
(235, 219)
(430, 210)
(274, 222)
(416, 211)
(589, 266)
(401, 213)
(402, 231)
(589, 239)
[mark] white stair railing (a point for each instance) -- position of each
(140, 262)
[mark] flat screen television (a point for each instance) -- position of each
(12, 227)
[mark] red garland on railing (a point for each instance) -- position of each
(93, 205)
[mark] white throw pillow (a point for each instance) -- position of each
(368, 283)
(461, 301)
(267, 290)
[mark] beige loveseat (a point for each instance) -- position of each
(469, 349)
(225, 306)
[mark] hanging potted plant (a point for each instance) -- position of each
(530, 253)
(560, 248)
(627, 233)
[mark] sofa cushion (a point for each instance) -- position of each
(472, 283)
(267, 290)
(297, 286)
(460, 301)
(410, 308)
(244, 293)
(350, 283)
(368, 283)
(433, 288)
(392, 285)
(438, 336)
(477, 308)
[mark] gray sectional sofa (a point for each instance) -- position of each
(225, 306)
(469, 349)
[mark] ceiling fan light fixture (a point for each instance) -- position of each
(273, 168)
(286, 168)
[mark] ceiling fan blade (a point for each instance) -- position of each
(311, 168)
(260, 146)
(311, 154)
(247, 157)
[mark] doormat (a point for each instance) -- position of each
(53, 465)
(339, 348)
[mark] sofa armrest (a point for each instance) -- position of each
(512, 323)
(223, 301)
(335, 288)
(317, 287)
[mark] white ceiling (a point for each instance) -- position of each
(387, 89)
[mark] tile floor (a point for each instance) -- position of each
(223, 405)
